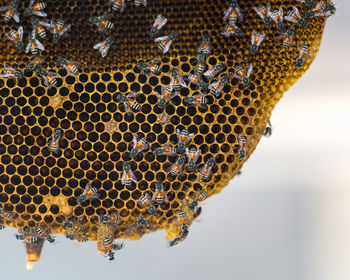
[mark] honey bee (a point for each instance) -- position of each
(10, 11)
(138, 3)
(6, 215)
(309, 3)
(202, 65)
(184, 139)
(243, 74)
(10, 72)
(288, 37)
(176, 80)
(167, 150)
(110, 247)
(16, 36)
(49, 78)
(217, 86)
(112, 218)
(129, 102)
(330, 9)
(58, 29)
(277, 17)
(205, 172)
(159, 195)
(194, 78)
(233, 13)
(33, 44)
(39, 27)
(303, 55)
(145, 223)
(232, 29)
(152, 66)
(264, 12)
(139, 146)
(145, 201)
(192, 157)
(214, 71)
(128, 176)
(166, 41)
(295, 17)
(89, 193)
(117, 5)
(197, 99)
(157, 25)
(77, 226)
(205, 46)
(70, 66)
(256, 41)
(54, 142)
(176, 168)
(103, 22)
(268, 130)
(165, 96)
(35, 9)
(45, 234)
(317, 11)
(242, 141)
(200, 196)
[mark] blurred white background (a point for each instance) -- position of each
(286, 217)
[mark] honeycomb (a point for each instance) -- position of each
(41, 187)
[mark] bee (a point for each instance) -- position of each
(197, 99)
(90, 192)
(103, 22)
(7, 215)
(268, 130)
(157, 25)
(264, 12)
(167, 150)
(117, 5)
(166, 41)
(145, 201)
(10, 72)
(44, 234)
(77, 226)
(39, 27)
(176, 168)
(152, 66)
(317, 11)
(159, 195)
(54, 142)
(309, 3)
(184, 139)
(139, 145)
(58, 29)
(128, 176)
(35, 9)
(49, 78)
(104, 46)
(194, 78)
(303, 55)
(232, 29)
(138, 3)
(206, 171)
(112, 218)
(288, 37)
(217, 86)
(256, 41)
(33, 44)
(176, 80)
(165, 96)
(129, 102)
(145, 223)
(214, 71)
(205, 46)
(10, 11)
(277, 17)
(200, 196)
(295, 17)
(243, 74)
(201, 63)
(16, 36)
(70, 66)
(330, 9)
(192, 157)
(109, 247)
(233, 13)
(242, 141)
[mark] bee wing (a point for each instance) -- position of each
(40, 46)
(31, 3)
(144, 3)
(145, 147)
(28, 47)
(182, 82)
(160, 21)
(240, 16)
(16, 16)
(123, 177)
(47, 25)
(157, 40)
(39, 13)
(20, 32)
(123, 6)
(165, 196)
(253, 37)
(268, 7)
(250, 68)
(188, 154)
(135, 140)
(154, 196)
(10, 38)
(65, 29)
(167, 46)
(45, 81)
(227, 13)
(4, 8)
(296, 11)
(133, 177)
(98, 45)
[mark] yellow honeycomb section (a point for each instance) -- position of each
(41, 188)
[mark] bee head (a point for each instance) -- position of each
(81, 198)
(162, 103)
(19, 45)
(34, 21)
(253, 49)
(134, 153)
(27, 12)
(211, 162)
(126, 166)
(19, 75)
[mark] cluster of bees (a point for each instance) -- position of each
(212, 80)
